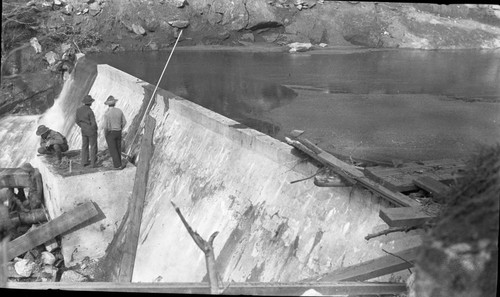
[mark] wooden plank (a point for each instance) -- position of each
(404, 216)
(352, 174)
(401, 179)
(120, 259)
(234, 288)
(435, 187)
(14, 178)
(395, 197)
(374, 268)
(51, 229)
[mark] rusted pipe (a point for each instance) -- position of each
(32, 217)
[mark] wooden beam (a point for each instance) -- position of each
(14, 178)
(404, 216)
(401, 179)
(51, 229)
(373, 268)
(120, 257)
(395, 197)
(246, 288)
(435, 187)
(350, 172)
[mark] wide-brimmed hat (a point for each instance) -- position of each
(87, 99)
(26, 167)
(110, 100)
(42, 129)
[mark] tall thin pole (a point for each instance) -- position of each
(152, 95)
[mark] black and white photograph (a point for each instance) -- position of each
(250, 147)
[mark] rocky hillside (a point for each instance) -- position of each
(151, 25)
(32, 72)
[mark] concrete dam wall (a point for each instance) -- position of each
(228, 178)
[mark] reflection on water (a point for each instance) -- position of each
(278, 92)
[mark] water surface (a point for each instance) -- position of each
(378, 104)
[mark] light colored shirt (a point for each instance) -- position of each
(114, 120)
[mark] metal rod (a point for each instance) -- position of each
(152, 95)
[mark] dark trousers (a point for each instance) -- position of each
(114, 141)
(58, 149)
(89, 141)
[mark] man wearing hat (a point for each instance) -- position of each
(114, 122)
(36, 187)
(51, 142)
(85, 119)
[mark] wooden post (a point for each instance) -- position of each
(208, 250)
(120, 257)
(3, 262)
(47, 231)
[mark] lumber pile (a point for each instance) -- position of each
(349, 173)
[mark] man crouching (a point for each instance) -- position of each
(51, 142)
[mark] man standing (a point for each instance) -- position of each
(85, 119)
(114, 122)
(51, 142)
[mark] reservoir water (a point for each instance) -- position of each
(372, 104)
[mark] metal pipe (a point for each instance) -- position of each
(152, 95)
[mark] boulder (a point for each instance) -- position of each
(72, 276)
(51, 245)
(94, 9)
(180, 24)
(34, 43)
(138, 29)
(299, 47)
(51, 58)
(24, 267)
(48, 258)
(180, 3)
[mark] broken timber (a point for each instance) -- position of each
(404, 216)
(402, 178)
(350, 172)
(435, 187)
(235, 288)
(121, 252)
(14, 178)
(374, 268)
(48, 231)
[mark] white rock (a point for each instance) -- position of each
(68, 9)
(48, 258)
(24, 267)
(180, 3)
(34, 43)
(71, 276)
(57, 2)
(311, 292)
(138, 29)
(179, 24)
(323, 44)
(299, 47)
(51, 57)
(79, 55)
(85, 11)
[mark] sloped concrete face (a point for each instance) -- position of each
(234, 180)
(109, 189)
